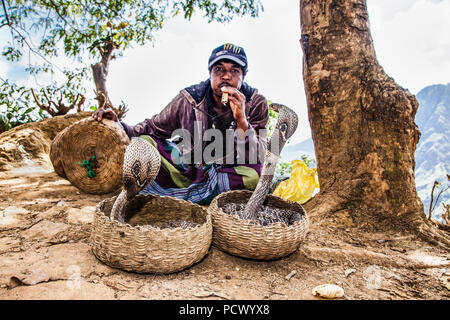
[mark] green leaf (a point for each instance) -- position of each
(29, 110)
(81, 29)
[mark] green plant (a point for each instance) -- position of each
(283, 169)
(16, 106)
(310, 163)
(93, 33)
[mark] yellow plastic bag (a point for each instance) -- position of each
(301, 185)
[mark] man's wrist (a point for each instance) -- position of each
(242, 124)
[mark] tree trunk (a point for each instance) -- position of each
(362, 122)
(100, 72)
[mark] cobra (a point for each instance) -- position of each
(141, 165)
(254, 210)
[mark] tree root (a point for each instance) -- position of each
(324, 209)
(322, 206)
(353, 255)
(434, 236)
(440, 225)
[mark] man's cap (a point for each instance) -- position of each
(231, 52)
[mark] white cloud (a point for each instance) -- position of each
(389, 9)
(410, 37)
(413, 46)
(148, 78)
(3, 69)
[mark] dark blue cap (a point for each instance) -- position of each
(231, 52)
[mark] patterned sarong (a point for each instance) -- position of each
(198, 183)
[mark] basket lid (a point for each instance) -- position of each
(101, 144)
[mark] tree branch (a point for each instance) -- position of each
(80, 103)
(6, 15)
(437, 198)
(431, 201)
(34, 50)
(61, 109)
(55, 6)
(42, 106)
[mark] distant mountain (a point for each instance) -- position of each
(295, 151)
(433, 151)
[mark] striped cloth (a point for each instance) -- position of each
(199, 183)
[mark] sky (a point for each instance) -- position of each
(411, 39)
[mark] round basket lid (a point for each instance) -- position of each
(55, 151)
(101, 144)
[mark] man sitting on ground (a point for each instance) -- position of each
(196, 169)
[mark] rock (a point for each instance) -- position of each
(62, 290)
(446, 283)
(35, 277)
(50, 213)
(427, 259)
(46, 231)
(9, 244)
(12, 217)
(27, 146)
(60, 262)
(328, 291)
(84, 215)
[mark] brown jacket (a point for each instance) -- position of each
(191, 105)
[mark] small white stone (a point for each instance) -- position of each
(349, 272)
(15, 210)
(290, 275)
(328, 291)
(61, 203)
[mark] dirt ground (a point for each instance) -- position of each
(45, 224)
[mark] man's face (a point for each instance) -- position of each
(225, 74)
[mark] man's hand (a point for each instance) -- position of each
(105, 114)
(237, 105)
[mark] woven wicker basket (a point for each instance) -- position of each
(240, 238)
(140, 245)
(80, 141)
(56, 152)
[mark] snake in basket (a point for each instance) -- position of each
(254, 211)
(142, 162)
(141, 165)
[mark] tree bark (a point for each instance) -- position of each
(100, 72)
(362, 122)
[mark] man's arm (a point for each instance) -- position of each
(159, 126)
(257, 119)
